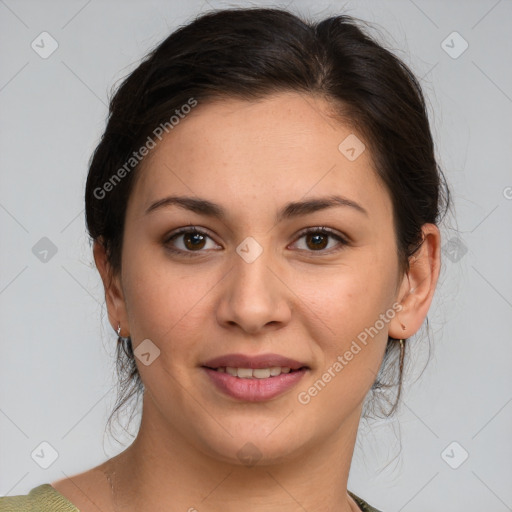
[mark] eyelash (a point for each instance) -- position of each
(316, 230)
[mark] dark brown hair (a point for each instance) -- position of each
(250, 53)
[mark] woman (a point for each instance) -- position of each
(264, 206)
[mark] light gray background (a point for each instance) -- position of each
(57, 381)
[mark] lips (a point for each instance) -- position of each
(231, 374)
(254, 362)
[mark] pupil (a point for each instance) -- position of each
(196, 238)
(316, 238)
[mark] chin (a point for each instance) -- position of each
(256, 449)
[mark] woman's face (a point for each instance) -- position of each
(251, 282)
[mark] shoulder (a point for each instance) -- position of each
(365, 507)
(89, 491)
(43, 498)
(85, 492)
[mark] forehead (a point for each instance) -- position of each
(281, 148)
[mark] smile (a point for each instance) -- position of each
(254, 373)
(254, 384)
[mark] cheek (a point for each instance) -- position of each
(347, 298)
(350, 339)
(164, 299)
(344, 308)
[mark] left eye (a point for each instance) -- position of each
(317, 239)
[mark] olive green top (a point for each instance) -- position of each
(47, 499)
(40, 499)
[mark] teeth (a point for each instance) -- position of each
(258, 373)
(244, 373)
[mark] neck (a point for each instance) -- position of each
(162, 470)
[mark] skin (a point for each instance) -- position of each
(295, 300)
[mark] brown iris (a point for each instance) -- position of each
(317, 242)
(195, 239)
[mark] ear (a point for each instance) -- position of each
(418, 285)
(114, 297)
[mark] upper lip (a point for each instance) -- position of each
(258, 361)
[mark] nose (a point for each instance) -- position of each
(254, 296)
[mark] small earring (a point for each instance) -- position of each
(118, 331)
(402, 352)
(403, 326)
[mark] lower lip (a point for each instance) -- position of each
(254, 390)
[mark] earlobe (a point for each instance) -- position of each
(114, 297)
(418, 285)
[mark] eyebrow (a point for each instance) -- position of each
(290, 210)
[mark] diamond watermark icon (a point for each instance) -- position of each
(454, 455)
(454, 249)
(351, 147)
(44, 45)
(249, 249)
(454, 45)
(147, 352)
(249, 454)
(44, 455)
(44, 250)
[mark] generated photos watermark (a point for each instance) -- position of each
(137, 156)
(304, 397)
